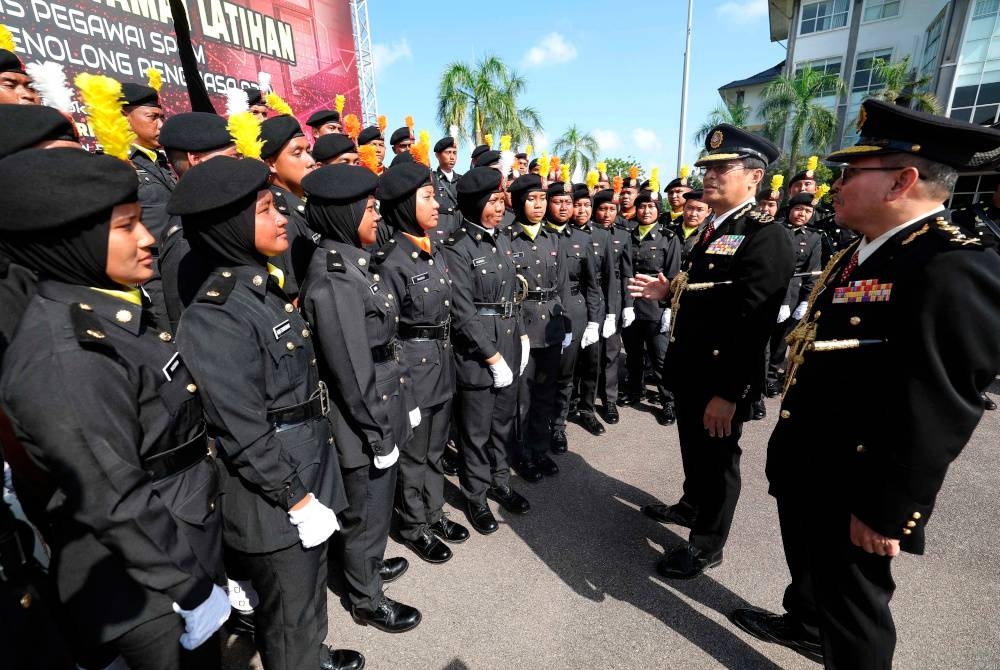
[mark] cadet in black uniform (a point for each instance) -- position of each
(489, 346)
(714, 361)
(252, 358)
(108, 420)
(692, 223)
(324, 122)
(156, 180)
(655, 250)
(445, 178)
(417, 273)
(902, 330)
(835, 236)
(355, 317)
(535, 251)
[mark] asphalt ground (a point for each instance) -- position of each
(572, 583)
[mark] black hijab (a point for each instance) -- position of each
(522, 187)
(475, 188)
(338, 197)
(397, 188)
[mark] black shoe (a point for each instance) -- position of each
(343, 659)
(509, 499)
(558, 442)
(392, 569)
(449, 464)
(611, 414)
(481, 518)
(388, 616)
(240, 622)
(429, 548)
(528, 470)
(628, 399)
(665, 415)
(780, 629)
(651, 395)
(687, 562)
(679, 515)
(591, 424)
(772, 390)
(547, 466)
(988, 403)
(449, 531)
(758, 411)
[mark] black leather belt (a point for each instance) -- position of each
(504, 310)
(438, 332)
(316, 407)
(542, 294)
(178, 459)
(386, 352)
(574, 290)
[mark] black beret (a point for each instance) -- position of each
(533, 164)
(603, 197)
(479, 181)
(321, 116)
(725, 142)
(369, 134)
(581, 191)
(401, 135)
(276, 132)
(801, 199)
(526, 183)
(694, 195)
(521, 156)
(216, 183)
(254, 96)
(677, 183)
(445, 143)
(486, 158)
(57, 187)
(402, 179)
(24, 126)
(403, 157)
(802, 176)
(140, 95)
(559, 188)
(646, 195)
(765, 193)
(9, 62)
(331, 145)
(482, 148)
(195, 131)
(340, 183)
(644, 186)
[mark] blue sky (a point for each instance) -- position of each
(614, 69)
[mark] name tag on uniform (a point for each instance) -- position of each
(374, 288)
(281, 329)
(865, 290)
(577, 246)
(553, 253)
(171, 367)
(518, 254)
(725, 245)
(416, 279)
(476, 262)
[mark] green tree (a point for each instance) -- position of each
(576, 148)
(737, 114)
(902, 85)
(482, 98)
(791, 106)
(619, 167)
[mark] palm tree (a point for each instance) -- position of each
(576, 149)
(791, 106)
(902, 86)
(735, 114)
(482, 99)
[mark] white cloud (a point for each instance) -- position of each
(540, 144)
(552, 49)
(646, 139)
(745, 10)
(608, 139)
(384, 55)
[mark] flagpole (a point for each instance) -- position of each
(681, 139)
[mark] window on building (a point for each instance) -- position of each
(824, 15)
(976, 97)
(864, 83)
(932, 45)
(985, 8)
(972, 188)
(824, 65)
(881, 9)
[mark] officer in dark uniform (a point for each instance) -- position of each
(626, 201)
(916, 302)
(324, 122)
(252, 359)
(835, 236)
(743, 263)
(401, 140)
(692, 223)
(333, 149)
(535, 251)
(108, 422)
(606, 216)
(655, 250)
(348, 305)
(416, 272)
(445, 179)
(585, 307)
(676, 190)
(156, 180)
(490, 347)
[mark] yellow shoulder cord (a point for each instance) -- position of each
(677, 286)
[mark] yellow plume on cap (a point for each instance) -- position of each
(528, 149)
(367, 157)
(409, 122)
(654, 180)
(544, 165)
(488, 140)
(244, 128)
(777, 181)
(617, 183)
(155, 79)
(382, 123)
(564, 173)
(352, 126)
(592, 178)
(339, 103)
(812, 163)
(602, 168)
(505, 143)
(821, 191)
(102, 97)
(275, 102)
(421, 153)
(685, 172)
(633, 172)
(6, 38)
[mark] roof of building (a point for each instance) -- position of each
(779, 14)
(757, 79)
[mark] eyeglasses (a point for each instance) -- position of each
(849, 171)
(719, 170)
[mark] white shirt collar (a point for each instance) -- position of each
(866, 248)
(450, 176)
(719, 220)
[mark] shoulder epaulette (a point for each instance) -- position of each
(87, 328)
(335, 262)
(217, 289)
(456, 237)
(759, 216)
(953, 234)
(384, 251)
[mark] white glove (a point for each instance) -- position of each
(784, 313)
(628, 316)
(665, 320)
(502, 374)
(525, 354)
(590, 335)
(609, 328)
(208, 617)
(315, 522)
(567, 338)
(414, 417)
(387, 461)
(800, 311)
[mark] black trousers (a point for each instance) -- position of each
(155, 645)
(711, 469)
(589, 363)
(364, 529)
(537, 402)
(291, 617)
(421, 479)
(777, 349)
(485, 423)
(611, 360)
(640, 339)
(564, 385)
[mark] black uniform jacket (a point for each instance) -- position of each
(353, 311)
(621, 245)
(94, 393)
(659, 251)
(607, 263)
(423, 287)
(449, 218)
(926, 308)
(981, 220)
(156, 183)
(484, 277)
(17, 285)
(807, 246)
(302, 240)
(537, 261)
(719, 332)
(252, 353)
(687, 243)
(586, 304)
